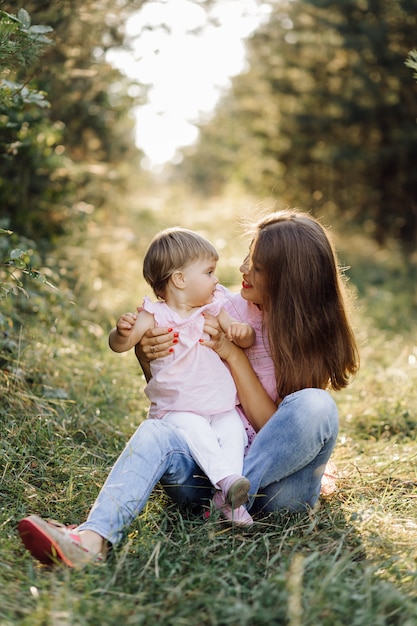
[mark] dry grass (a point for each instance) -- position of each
(68, 405)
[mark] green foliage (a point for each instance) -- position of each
(17, 260)
(16, 263)
(60, 156)
(21, 43)
(411, 61)
(324, 116)
(25, 139)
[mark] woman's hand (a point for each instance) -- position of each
(155, 343)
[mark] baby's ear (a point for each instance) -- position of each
(178, 279)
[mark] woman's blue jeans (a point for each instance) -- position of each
(284, 464)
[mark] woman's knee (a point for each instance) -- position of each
(318, 400)
(312, 414)
(317, 404)
(324, 414)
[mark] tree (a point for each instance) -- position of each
(21, 43)
(324, 118)
(67, 158)
(57, 160)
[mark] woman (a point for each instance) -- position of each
(292, 294)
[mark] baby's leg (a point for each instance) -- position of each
(231, 436)
(203, 443)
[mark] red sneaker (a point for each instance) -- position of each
(51, 542)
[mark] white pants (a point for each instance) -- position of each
(217, 442)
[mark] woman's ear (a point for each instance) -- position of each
(178, 279)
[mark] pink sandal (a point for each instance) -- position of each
(235, 490)
(238, 515)
(51, 542)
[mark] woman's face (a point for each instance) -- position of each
(251, 283)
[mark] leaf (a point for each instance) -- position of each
(18, 263)
(411, 61)
(40, 29)
(17, 253)
(21, 93)
(8, 16)
(35, 97)
(24, 18)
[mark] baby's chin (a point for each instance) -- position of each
(208, 301)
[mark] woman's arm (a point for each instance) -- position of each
(241, 333)
(256, 403)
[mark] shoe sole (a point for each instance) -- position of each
(238, 493)
(230, 515)
(40, 544)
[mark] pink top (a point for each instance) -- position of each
(192, 378)
(258, 354)
(261, 361)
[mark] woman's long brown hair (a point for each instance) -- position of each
(312, 343)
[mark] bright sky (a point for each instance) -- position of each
(186, 70)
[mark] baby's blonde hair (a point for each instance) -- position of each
(172, 250)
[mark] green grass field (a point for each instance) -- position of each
(68, 405)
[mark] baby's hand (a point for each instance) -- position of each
(125, 323)
(238, 331)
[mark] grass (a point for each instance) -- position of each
(68, 406)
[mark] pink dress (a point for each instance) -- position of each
(192, 378)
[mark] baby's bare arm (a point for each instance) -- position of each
(129, 330)
(241, 333)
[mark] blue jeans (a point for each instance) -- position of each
(284, 464)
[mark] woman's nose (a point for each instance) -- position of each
(245, 265)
